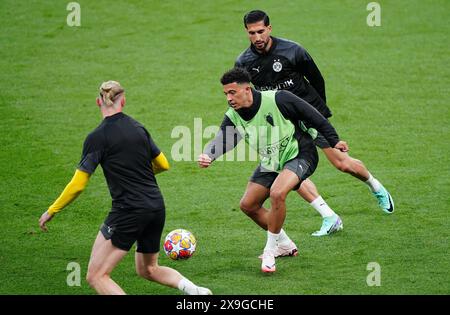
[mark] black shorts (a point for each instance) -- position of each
(303, 165)
(125, 227)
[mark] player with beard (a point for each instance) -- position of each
(280, 64)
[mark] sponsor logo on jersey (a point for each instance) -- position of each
(274, 149)
(279, 86)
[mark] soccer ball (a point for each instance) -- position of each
(180, 244)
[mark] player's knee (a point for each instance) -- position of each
(247, 207)
(147, 272)
(277, 195)
(344, 165)
(141, 272)
(92, 279)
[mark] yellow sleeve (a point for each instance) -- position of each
(160, 164)
(72, 190)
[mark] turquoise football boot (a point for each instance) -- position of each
(385, 200)
(330, 225)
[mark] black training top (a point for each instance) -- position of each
(291, 107)
(124, 149)
(286, 66)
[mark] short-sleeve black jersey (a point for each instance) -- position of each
(286, 66)
(124, 149)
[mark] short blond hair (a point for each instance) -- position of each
(110, 91)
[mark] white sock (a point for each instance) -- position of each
(322, 207)
(373, 183)
(187, 286)
(284, 238)
(272, 241)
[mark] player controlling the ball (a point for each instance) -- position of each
(277, 63)
(268, 121)
(129, 159)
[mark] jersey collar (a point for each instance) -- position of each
(248, 113)
(114, 117)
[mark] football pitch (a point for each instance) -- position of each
(388, 88)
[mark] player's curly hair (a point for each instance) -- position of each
(110, 91)
(256, 16)
(238, 75)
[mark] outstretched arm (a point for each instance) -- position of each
(227, 138)
(69, 194)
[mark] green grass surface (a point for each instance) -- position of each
(387, 86)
